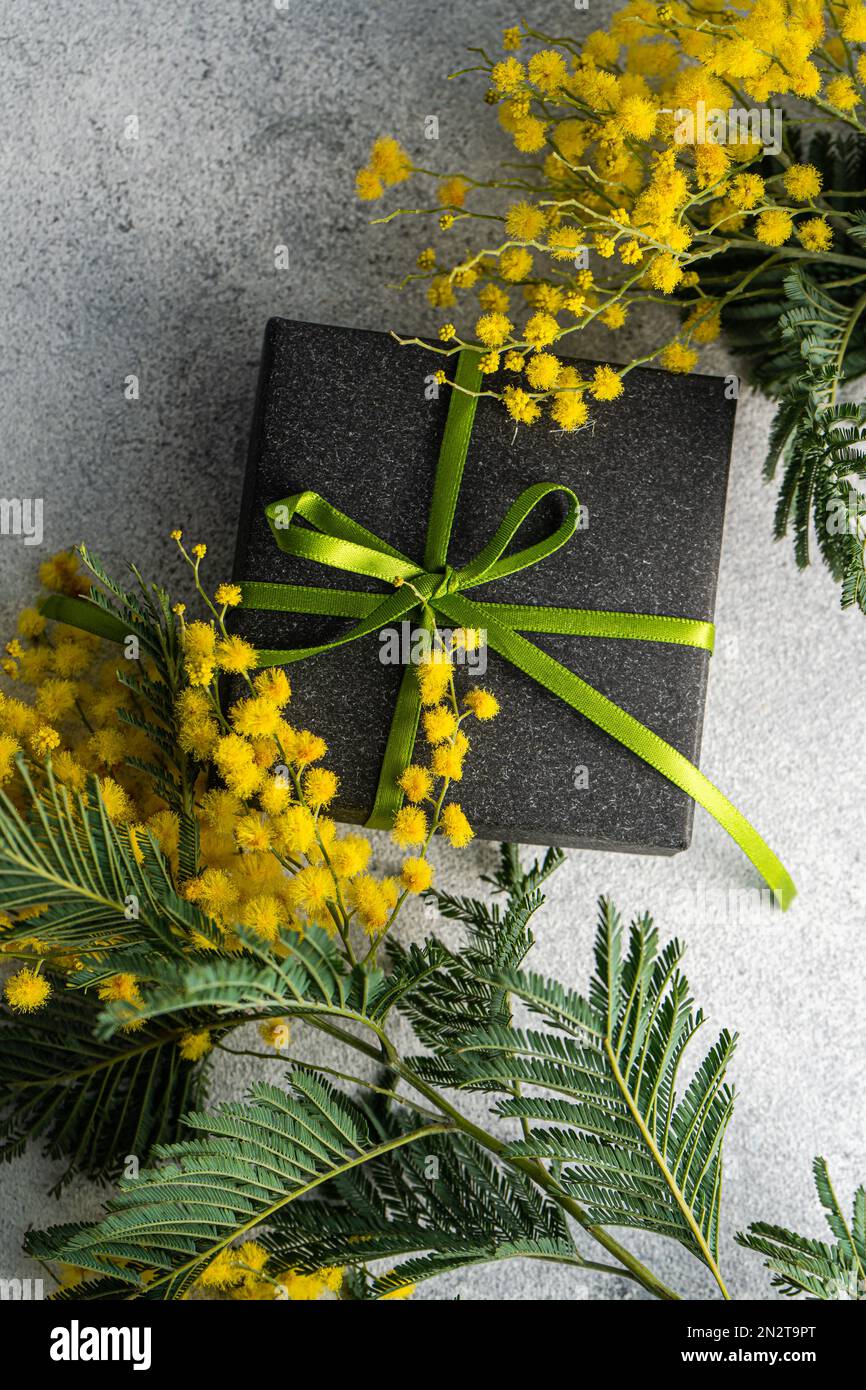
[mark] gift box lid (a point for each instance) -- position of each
(358, 418)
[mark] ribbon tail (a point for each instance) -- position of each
(398, 753)
(452, 457)
(334, 539)
(597, 622)
(628, 731)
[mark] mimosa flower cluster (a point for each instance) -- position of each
(627, 193)
(270, 859)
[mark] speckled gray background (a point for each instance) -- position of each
(155, 257)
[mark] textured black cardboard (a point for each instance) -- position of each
(345, 412)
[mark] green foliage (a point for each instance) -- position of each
(819, 444)
(594, 1129)
(86, 1101)
(799, 1264)
(751, 321)
(250, 1160)
(604, 1105)
(116, 614)
(68, 854)
(444, 1204)
(520, 885)
(305, 977)
(804, 335)
(463, 994)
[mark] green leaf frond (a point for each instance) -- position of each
(67, 854)
(821, 443)
(306, 978)
(803, 333)
(438, 1206)
(153, 677)
(248, 1162)
(91, 1103)
(601, 1081)
(519, 883)
(800, 1265)
(601, 1129)
(464, 993)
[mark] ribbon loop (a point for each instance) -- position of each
(490, 564)
(336, 539)
(341, 543)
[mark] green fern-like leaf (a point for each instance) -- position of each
(87, 1102)
(823, 446)
(144, 614)
(804, 334)
(800, 1265)
(463, 994)
(520, 883)
(71, 857)
(633, 1150)
(437, 1207)
(447, 1005)
(248, 1163)
(308, 978)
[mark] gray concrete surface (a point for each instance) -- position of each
(155, 256)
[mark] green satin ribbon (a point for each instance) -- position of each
(438, 591)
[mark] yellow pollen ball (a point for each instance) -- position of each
(27, 991)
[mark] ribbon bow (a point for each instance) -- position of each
(440, 590)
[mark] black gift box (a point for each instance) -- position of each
(349, 414)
